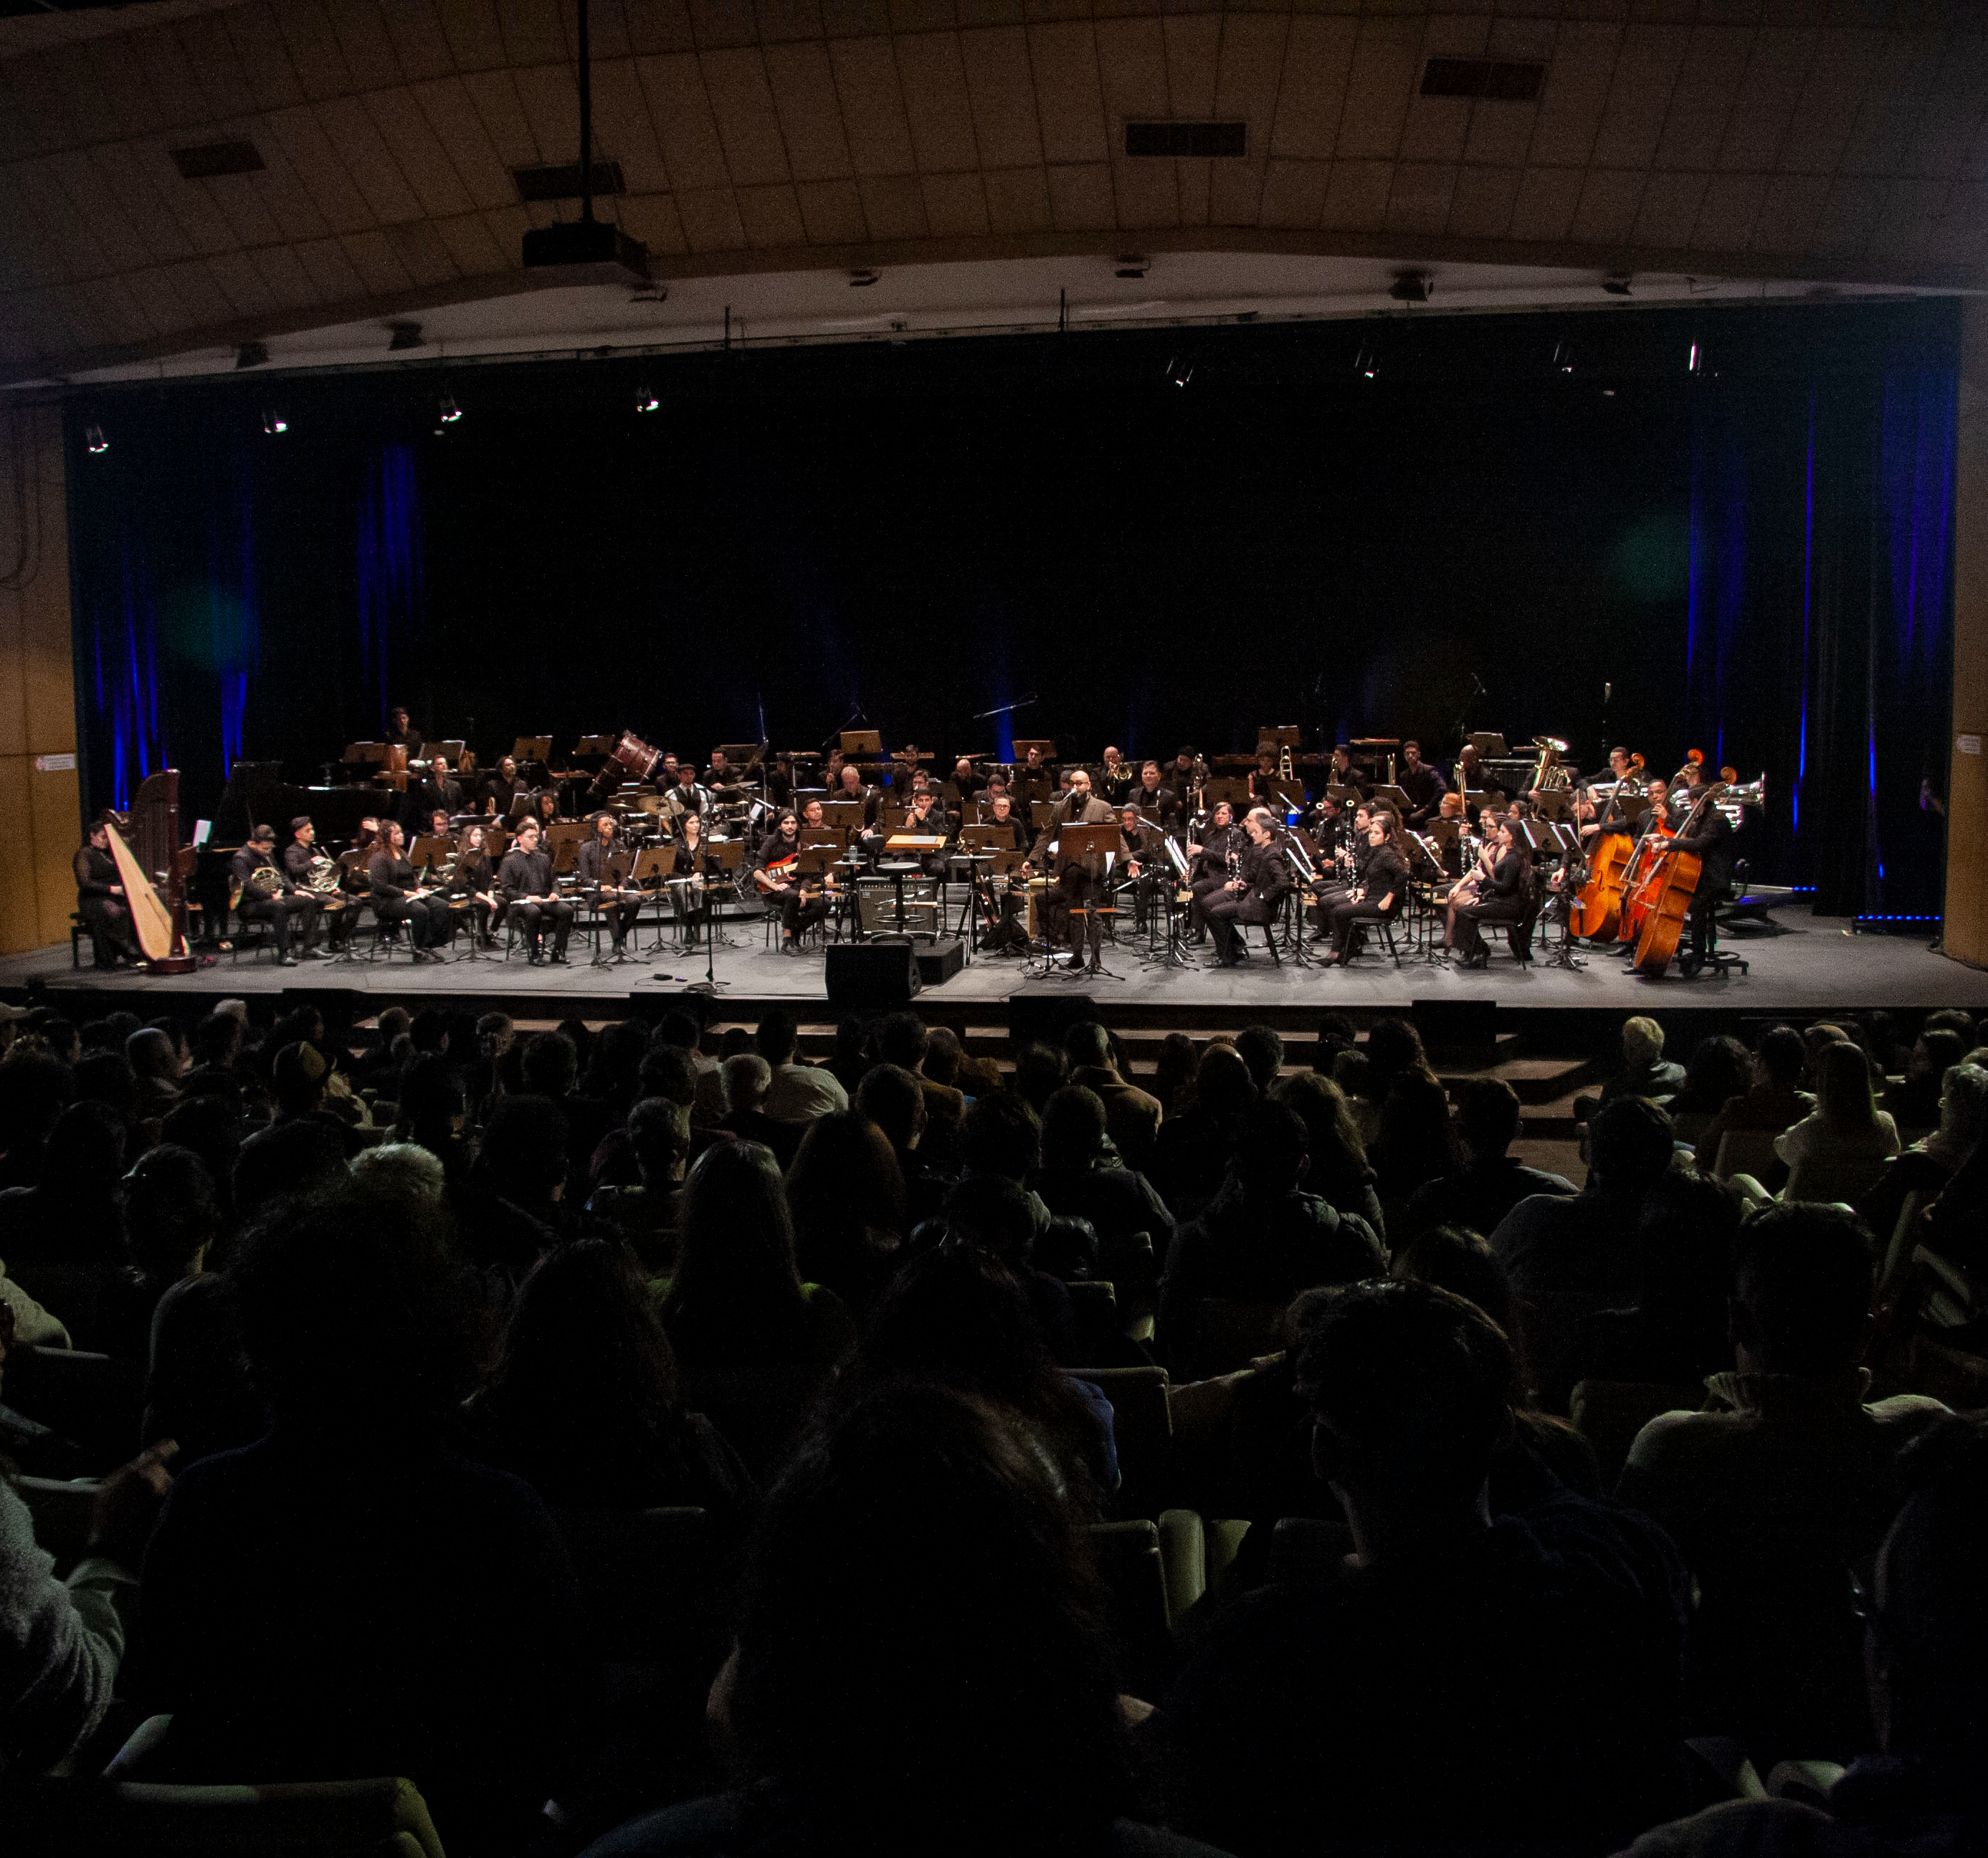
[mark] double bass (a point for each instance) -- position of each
(1675, 884)
(1598, 908)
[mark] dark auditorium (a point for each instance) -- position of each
(993, 928)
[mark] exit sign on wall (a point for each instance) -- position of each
(55, 764)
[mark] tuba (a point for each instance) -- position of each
(1548, 774)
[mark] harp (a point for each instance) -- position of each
(153, 867)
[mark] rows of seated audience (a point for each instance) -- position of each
(645, 1442)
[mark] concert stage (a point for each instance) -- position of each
(1803, 967)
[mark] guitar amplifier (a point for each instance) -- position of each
(876, 904)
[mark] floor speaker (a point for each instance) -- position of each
(939, 963)
(871, 974)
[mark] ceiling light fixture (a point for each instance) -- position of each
(1411, 287)
(646, 401)
(1180, 370)
(1130, 265)
(273, 422)
(93, 436)
(1618, 285)
(1366, 363)
(450, 412)
(406, 336)
(861, 279)
(1695, 363)
(251, 355)
(1563, 357)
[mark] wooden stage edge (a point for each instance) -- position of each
(1806, 966)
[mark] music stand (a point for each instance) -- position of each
(1566, 841)
(1044, 746)
(1277, 737)
(1095, 848)
(859, 744)
(1490, 744)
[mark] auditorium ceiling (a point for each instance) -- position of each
(182, 177)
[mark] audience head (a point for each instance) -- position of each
(950, 1691)
(396, 1356)
(1174, 1072)
(1802, 1283)
(1642, 1040)
(84, 1154)
(668, 1071)
(1630, 1146)
(1487, 1117)
(1416, 1136)
(659, 1133)
(551, 1065)
(285, 1160)
(1040, 1070)
(1779, 1061)
(1271, 1148)
(523, 1156)
(1963, 1105)
(901, 1040)
(170, 1213)
(1086, 1043)
(1223, 1085)
(35, 1087)
(106, 1077)
(1461, 1261)
(1936, 1048)
(153, 1054)
(747, 1078)
(1263, 1051)
(1844, 1094)
(402, 1172)
(1412, 1390)
(1393, 1046)
(297, 1080)
(1717, 1071)
(776, 1035)
(1954, 1019)
(994, 1214)
(1073, 1128)
(430, 1109)
(893, 1099)
(944, 1055)
(1684, 1237)
(1001, 1136)
(845, 1177)
(736, 1256)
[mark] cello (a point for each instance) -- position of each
(1598, 908)
(1674, 883)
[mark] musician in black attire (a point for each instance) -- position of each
(264, 893)
(966, 783)
(775, 873)
(1263, 779)
(1150, 797)
(619, 904)
(472, 876)
(1252, 895)
(402, 734)
(723, 779)
(927, 818)
(398, 896)
(779, 781)
(99, 901)
(1079, 882)
(684, 863)
(1141, 864)
(1501, 898)
(1209, 870)
(299, 856)
(526, 879)
(1708, 838)
(1381, 885)
(1423, 784)
(503, 787)
(1338, 888)
(1115, 778)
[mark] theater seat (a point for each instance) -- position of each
(1127, 1558)
(1609, 1414)
(375, 1818)
(98, 1400)
(647, 1578)
(1142, 1424)
(1745, 1151)
(1230, 1333)
(62, 1511)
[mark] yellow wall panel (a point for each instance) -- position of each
(13, 680)
(47, 663)
(54, 805)
(20, 910)
(1965, 930)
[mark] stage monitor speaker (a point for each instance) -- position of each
(872, 974)
(939, 964)
(1043, 1019)
(1457, 1026)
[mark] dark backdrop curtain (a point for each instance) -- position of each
(1752, 559)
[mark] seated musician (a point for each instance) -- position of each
(1208, 869)
(1709, 839)
(1253, 893)
(501, 787)
(399, 896)
(779, 780)
(1009, 828)
(524, 879)
(1116, 779)
(849, 787)
(1077, 885)
(1342, 773)
(723, 780)
(1035, 776)
(1263, 778)
(618, 901)
(1381, 886)
(1347, 873)
(995, 788)
(472, 880)
(1422, 782)
(261, 891)
(435, 826)
(312, 873)
(1140, 862)
(1163, 803)
(683, 871)
(100, 901)
(684, 794)
(927, 819)
(402, 734)
(1659, 815)
(966, 783)
(545, 809)
(1181, 774)
(1451, 808)
(776, 873)
(1500, 897)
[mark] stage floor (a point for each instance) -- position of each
(1806, 965)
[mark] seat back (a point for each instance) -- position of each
(1142, 1425)
(1950, 1374)
(1609, 1414)
(385, 1818)
(648, 1579)
(68, 1290)
(62, 1511)
(98, 1400)
(1843, 1178)
(1745, 1151)
(1230, 1332)
(1126, 1557)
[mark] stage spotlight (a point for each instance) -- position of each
(406, 336)
(1617, 286)
(450, 412)
(273, 422)
(1410, 287)
(862, 279)
(1180, 371)
(1695, 364)
(93, 436)
(1563, 356)
(646, 401)
(1366, 363)
(251, 355)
